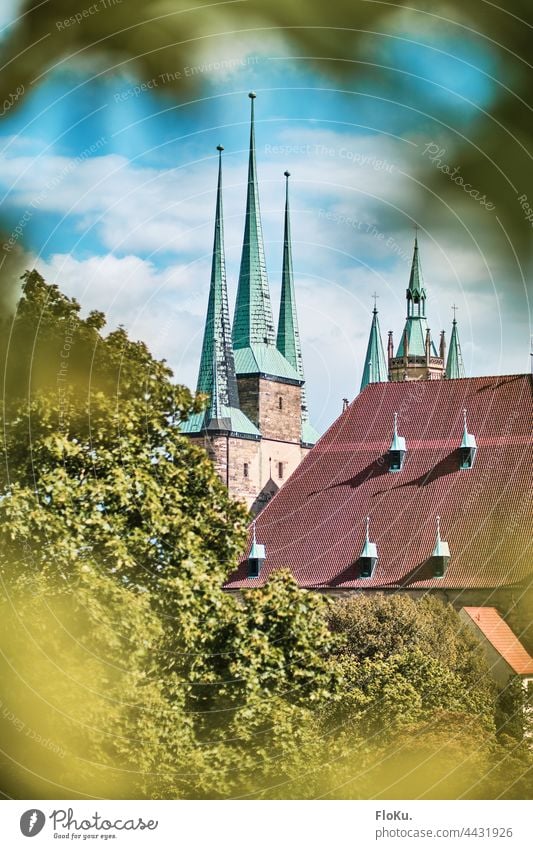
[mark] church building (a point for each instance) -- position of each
(423, 483)
(256, 427)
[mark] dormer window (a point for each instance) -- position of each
(397, 449)
(256, 558)
(369, 555)
(441, 555)
(468, 447)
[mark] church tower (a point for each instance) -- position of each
(256, 426)
(417, 357)
(270, 386)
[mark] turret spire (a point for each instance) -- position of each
(288, 338)
(416, 293)
(254, 338)
(417, 357)
(253, 311)
(216, 376)
(455, 365)
(375, 368)
(217, 366)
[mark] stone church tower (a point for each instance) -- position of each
(256, 428)
(417, 357)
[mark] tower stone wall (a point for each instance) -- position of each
(273, 406)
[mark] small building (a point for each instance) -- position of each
(505, 653)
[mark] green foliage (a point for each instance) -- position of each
(510, 709)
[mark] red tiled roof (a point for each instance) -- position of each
(498, 633)
(315, 525)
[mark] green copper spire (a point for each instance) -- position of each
(416, 326)
(253, 325)
(288, 340)
(455, 365)
(375, 369)
(416, 293)
(216, 377)
(253, 321)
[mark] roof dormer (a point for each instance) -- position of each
(440, 556)
(256, 558)
(369, 555)
(397, 449)
(468, 447)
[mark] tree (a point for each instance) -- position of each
(107, 510)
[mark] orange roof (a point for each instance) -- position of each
(498, 633)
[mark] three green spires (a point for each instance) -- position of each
(252, 348)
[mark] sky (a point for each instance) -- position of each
(112, 178)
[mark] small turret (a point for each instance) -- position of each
(428, 346)
(468, 447)
(390, 347)
(374, 370)
(441, 554)
(442, 345)
(397, 449)
(455, 366)
(257, 557)
(369, 555)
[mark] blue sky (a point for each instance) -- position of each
(121, 185)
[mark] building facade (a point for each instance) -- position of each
(256, 427)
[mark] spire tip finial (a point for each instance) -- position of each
(252, 95)
(220, 148)
(287, 174)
